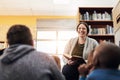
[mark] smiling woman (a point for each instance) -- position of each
(79, 46)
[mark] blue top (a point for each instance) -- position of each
(102, 74)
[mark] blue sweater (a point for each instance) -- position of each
(102, 74)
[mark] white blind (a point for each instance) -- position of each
(56, 24)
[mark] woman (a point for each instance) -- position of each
(78, 46)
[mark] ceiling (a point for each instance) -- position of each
(49, 7)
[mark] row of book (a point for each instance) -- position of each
(107, 30)
(96, 16)
(104, 40)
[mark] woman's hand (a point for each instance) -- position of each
(70, 62)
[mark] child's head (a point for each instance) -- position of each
(19, 34)
(57, 60)
(106, 55)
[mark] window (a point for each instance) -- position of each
(53, 41)
(52, 34)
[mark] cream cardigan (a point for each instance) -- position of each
(90, 44)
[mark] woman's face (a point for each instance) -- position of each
(82, 30)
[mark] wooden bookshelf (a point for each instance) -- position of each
(100, 22)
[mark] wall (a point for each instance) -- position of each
(7, 21)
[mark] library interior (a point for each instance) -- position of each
(53, 22)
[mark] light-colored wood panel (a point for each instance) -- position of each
(116, 16)
(116, 22)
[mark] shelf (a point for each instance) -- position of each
(91, 9)
(100, 22)
(103, 35)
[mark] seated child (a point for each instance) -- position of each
(106, 60)
(57, 60)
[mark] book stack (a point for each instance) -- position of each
(96, 16)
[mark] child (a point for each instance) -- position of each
(57, 60)
(106, 60)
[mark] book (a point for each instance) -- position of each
(73, 57)
(77, 59)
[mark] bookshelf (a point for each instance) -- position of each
(100, 22)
